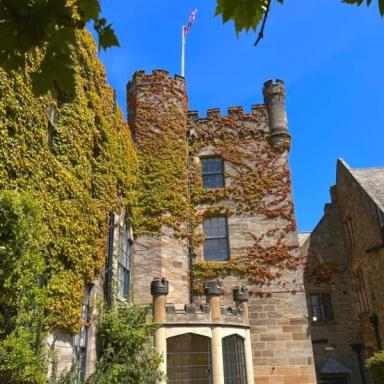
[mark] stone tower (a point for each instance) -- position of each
(157, 119)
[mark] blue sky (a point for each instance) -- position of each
(329, 54)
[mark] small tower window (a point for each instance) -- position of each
(321, 307)
(216, 238)
(124, 262)
(212, 172)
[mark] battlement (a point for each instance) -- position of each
(214, 114)
(202, 314)
(157, 76)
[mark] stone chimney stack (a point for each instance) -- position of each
(274, 99)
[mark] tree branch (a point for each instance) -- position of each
(261, 33)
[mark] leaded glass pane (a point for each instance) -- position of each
(189, 359)
(234, 360)
(216, 238)
(123, 279)
(212, 172)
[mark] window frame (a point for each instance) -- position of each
(177, 370)
(350, 232)
(322, 307)
(212, 157)
(360, 290)
(234, 360)
(228, 253)
(80, 340)
(125, 266)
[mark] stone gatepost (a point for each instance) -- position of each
(213, 292)
(159, 292)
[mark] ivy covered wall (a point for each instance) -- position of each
(78, 171)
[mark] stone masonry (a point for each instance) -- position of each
(257, 202)
(345, 259)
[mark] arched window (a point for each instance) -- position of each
(234, 360)
(189, 359)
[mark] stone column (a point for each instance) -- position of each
(240, 297)
(274, 99)
(159, 292)
(213, 293)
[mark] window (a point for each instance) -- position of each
(212, 172)
(189, 359)
(216, 238)
(124, 263)
(80, 341)
(350, 233)
(321, 307)
(361, 292)
(52, 120)
(234, 360)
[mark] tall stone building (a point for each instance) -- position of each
(215, 214)
(344, 276)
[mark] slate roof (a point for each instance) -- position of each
(372, 181)
(332, 366)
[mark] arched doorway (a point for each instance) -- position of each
(189, 359)
(234, 360)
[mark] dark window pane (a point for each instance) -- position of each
(316, 307)
(213, 181)
(216, 249)
(328, 312)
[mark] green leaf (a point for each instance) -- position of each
(55, 72)
(107, 36)
(90, 9)
(246, 14)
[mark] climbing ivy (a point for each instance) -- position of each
(258, 183)
(79, 169)
(159, 124)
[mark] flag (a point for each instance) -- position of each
(187, 28)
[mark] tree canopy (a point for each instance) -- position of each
(50, 25)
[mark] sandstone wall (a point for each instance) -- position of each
(327, 272)
(258, 203)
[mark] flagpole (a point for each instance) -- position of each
(182, 51)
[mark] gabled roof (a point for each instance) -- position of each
(332, 366)
(371, 180)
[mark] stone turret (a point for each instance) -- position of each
(274, 99)
(158, 122)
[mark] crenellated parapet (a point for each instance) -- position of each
(158, 76)
(239, 121)
(211, 312)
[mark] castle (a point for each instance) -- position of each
(216, 204)
(195, 216)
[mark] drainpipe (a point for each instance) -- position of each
(374, 320)
(358, 347)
